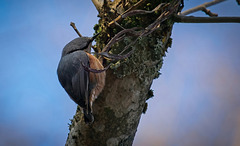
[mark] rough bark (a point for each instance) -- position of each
(117, 113)
(118, 109)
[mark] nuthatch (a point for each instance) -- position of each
(82, 86)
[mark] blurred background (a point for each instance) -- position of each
(197, 97)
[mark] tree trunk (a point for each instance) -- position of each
(118, 109)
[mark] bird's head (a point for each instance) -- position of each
(80, 43)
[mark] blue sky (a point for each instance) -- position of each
(196, 98)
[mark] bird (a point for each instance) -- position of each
(82, 86)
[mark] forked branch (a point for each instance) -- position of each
(200, 7)
(209, 13)
(182, 18)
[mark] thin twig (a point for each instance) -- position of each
(156, 24)
(75, 28)
(116, 39)
(209, 13)
(129, 45)
(152, 27)
(200, 7)
(88, 69)
(132, 31)
(135, 12)
(135, 6)
(117, 24)
(191, 19)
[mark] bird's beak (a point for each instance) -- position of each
(94, 36)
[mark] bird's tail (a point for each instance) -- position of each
(88, 116)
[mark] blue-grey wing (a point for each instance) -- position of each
(73, 77)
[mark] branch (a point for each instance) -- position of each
(209, 13)
(116, 39)
(128, 10)
(156, 24)
(138, 34)
(75, 28)
(88, 69)
(152, 27)
(135, 12)
(191, 19)
(98, 4)
(200, 7)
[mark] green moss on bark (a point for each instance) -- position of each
(149, 51)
